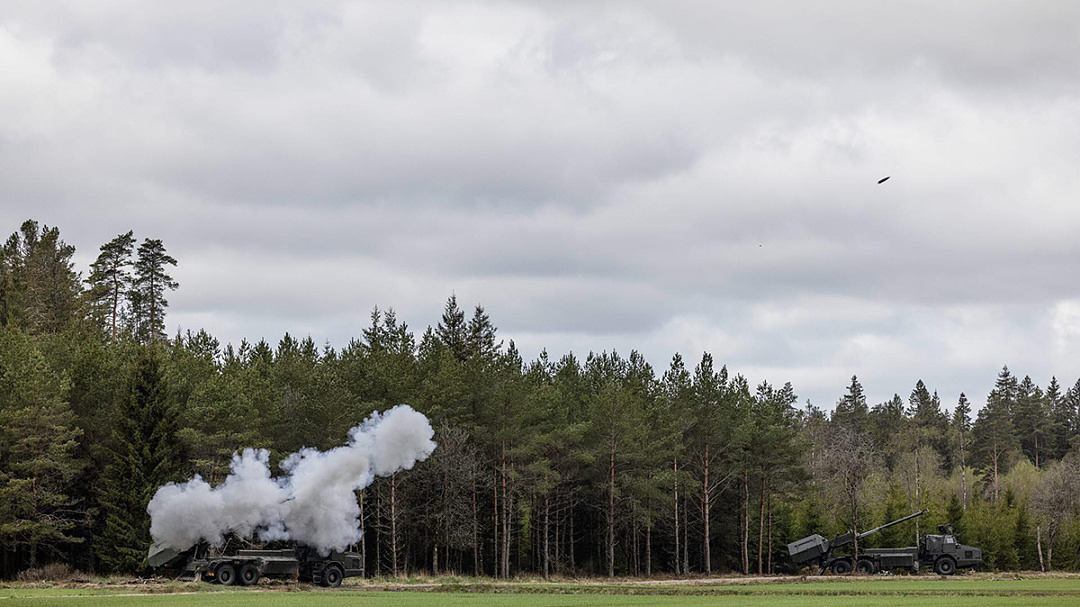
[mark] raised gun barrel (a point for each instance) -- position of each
(815, 546)
(891, 523)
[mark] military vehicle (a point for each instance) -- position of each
(246, 567)
(942, 551)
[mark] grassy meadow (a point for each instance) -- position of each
(983, 590)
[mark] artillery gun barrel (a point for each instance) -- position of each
(891, 523)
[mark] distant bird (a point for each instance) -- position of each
(883, 179)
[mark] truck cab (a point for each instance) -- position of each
(946, 553)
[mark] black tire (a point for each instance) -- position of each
(226, 574)
(945, 565)
(332, 576)
(249, 574)
(841, 567)
(865, 567)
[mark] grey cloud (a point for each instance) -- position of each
(675, 177)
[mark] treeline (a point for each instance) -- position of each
(599, 465)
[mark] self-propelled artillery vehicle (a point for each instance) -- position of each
(246, 567)
(941, 551)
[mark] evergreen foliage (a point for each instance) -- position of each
(145, 454)
(109, 282)
(38, 444)
(40, 291)
(146, 297)
(556, 466)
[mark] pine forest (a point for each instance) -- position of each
(595, 464)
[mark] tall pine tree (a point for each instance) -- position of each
(39, 288)
(147, 295)
(851, 411)
(145, 455)
(994, 438)
(110, 281)
(38, 440)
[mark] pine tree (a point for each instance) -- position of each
(712, 414)
(851, 411)
(773, 455)
(1030, 419)
(39, 288)
(888, 424)
(147, 295)
(954, 515)
(38, 440)
(677, 390)
(1057, 432)
(993, 432)
(481, 336)
(110, 280)
(1071, 408)
(145, 454)
(453, 331)
(961, 439)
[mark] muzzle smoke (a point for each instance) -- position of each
(313, 503)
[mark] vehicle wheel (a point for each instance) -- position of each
(865, 567)
(945, 566)
(841, 567)
(332, 576)
(226, 574)
(249, 574)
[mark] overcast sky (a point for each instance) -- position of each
(659, 175)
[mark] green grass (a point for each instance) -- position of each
(989, 591)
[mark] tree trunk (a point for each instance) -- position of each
(994, 456)
(1038, 546)
(746, 522)
(380, 509)
(769, 549)
(648, 548)
(963, 473)
(676, 501)
(363, 539)
(508, 513)
(115, 305)
(475, 533)
(570, 545)
(557, 559)
(496, 566)
(855, 530)
(547, 535)
(705, 503)
(761, 527)
(611, 510)
(685, 538)
(1051, 535)
(393, 525)
(918, 497)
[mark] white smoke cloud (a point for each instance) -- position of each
(313, 503)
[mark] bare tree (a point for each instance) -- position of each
(1057, 500)
(845, 466)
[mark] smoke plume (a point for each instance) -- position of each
(313, 503)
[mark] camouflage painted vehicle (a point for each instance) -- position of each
(940, 551)
(247, 567)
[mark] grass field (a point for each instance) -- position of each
(980, 591)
